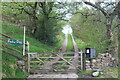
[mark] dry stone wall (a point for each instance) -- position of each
(102, 60)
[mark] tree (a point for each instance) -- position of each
(40, 16)
(109, 19)
(118, 13)
(89, 28)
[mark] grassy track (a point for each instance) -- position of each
(70, 46)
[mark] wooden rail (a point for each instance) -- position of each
(56, 53)
(8, 37)
(12, 48)
(18, 57)
(5, 40)
(46, 61)
(55, 57)
(50, 71)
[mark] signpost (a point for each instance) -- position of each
(18, 42)
(24, 42)
(15, 42)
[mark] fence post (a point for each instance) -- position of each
(81, 55)
(91, 64)
(84, 61)
(28, 57)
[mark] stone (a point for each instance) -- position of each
(101, 72)
(70, 75)
(95, 74)
(93, 60)
(102, 60)
(21, 63)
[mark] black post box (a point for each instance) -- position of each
(90, 53)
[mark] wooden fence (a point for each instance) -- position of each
(49, 61)
(4, 41)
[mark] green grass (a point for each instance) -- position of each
(60, 42)
(85, 73)
(111, 73)
(81, 45)
(108, 73)
(70, 46)
(9, 67)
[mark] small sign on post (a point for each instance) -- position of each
(15, 42)
(90, 53)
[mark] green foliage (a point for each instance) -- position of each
(39, 19)
(9, 67)
(47, 32)
(89, 29)
(13, 12)
(81, 45)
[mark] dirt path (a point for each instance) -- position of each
(76, 58)
(63, 49)
(67, 76)
(65, 43)
(74, 44)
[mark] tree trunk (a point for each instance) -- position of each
(45, 37)
(109, 35)
(119, 37)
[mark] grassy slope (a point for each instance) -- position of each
(9, 67)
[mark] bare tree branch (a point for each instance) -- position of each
(116, 10)
(97, 7)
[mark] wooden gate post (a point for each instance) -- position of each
(91, 65)
(28, 57)
(84, 62)
(28, 63)
(81, 55)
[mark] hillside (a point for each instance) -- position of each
(10, 68)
